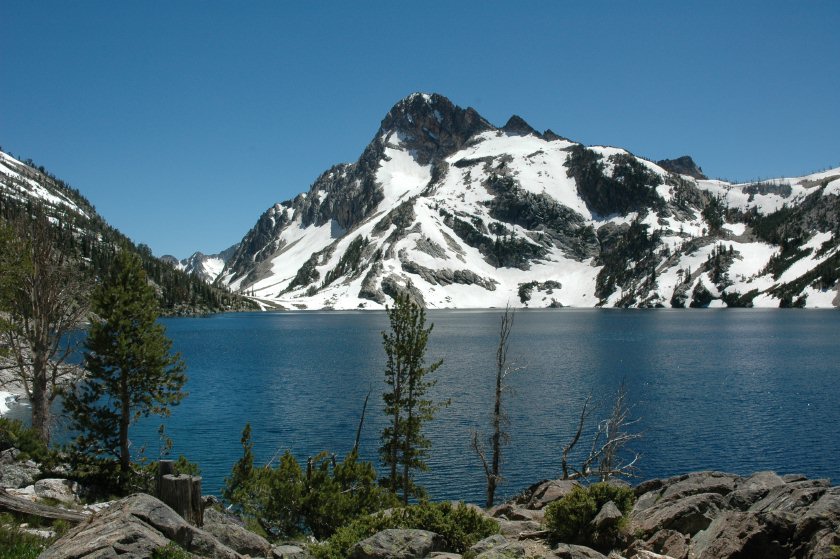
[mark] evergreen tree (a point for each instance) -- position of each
(404, 447)
(43, 296)
(131, 373)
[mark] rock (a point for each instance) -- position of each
(650, 555)
(288, 551)
(512, 528)
(569, 551)
(133, 528)
(752, 489)
(18, 474)
(700, 482)
(9, 456)
(444, 555)
(607, 517)
(736, 534)
(62, 490)
(397, 544)
(792, 497)
(510, 511)
(507, 550)
(670, 543)
(230, 531)
(550, 491)
(687, 515)
(819, 527)
(487, 543)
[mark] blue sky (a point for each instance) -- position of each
(183, 121)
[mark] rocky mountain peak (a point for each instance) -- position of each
(516, 126)
(431, 125)
(684, 165)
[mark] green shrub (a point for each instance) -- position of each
(15, 544)
(568, 520)
(14, 434)
(604, 492)
(286, 501)
(459, 525)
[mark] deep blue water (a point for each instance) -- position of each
(732, 390)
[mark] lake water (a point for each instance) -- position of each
(732, 390)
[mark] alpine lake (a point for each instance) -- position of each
(736, 390)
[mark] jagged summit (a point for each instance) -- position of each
(684, 165)
(516, 126)
(431, 125)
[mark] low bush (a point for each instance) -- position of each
(14, 434)
(459, 525)
(171, 551)
(15, 544)
(569, 520)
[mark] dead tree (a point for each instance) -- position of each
(499, 436)
(605, 458)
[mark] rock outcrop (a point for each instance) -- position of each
(704, 515)
(132, 528)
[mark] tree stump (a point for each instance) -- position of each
(183, 494)
(165, 467)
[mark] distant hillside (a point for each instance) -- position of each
(462, 214)
(23, 186)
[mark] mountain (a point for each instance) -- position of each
(82, 231)
(206, 267)
(462, 214)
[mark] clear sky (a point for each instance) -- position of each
(183, 121)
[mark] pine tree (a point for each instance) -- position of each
(131, 373)
(43, 296)
(404, 447)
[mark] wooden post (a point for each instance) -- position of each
(183, 494)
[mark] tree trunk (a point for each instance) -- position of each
(23, 506)
(40, 407)
(165, 467)
(125, 456)
(183, 495)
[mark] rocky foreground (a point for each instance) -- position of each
(698, 515)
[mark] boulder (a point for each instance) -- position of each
(18, 474)
(397, 544)
(607, 517)
(510, 511)
(699, 482)
(550, 491)
(289, 551)
(487, 543)
(752, 489)
(230, 531)
(792, 497)
(569, 551)
(9, 456)
(665, 542)
(62, 490)
(819, 527)
(512, 528)
(686, 515)
(507, 550)
(134, 527)
(736, 534)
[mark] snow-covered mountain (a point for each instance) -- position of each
(84, 236)
(205, 266)
(463, 214)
